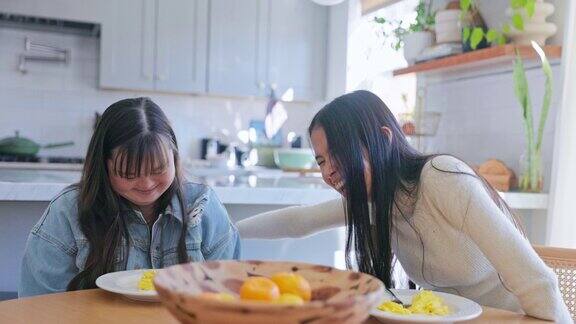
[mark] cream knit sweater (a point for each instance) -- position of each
(451, 238)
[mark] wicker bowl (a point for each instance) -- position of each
(337, 296)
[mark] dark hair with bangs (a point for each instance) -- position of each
(352, 124)
(136, 133)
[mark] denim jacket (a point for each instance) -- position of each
(56, 249)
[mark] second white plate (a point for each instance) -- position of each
(126, 283)
(462, 309)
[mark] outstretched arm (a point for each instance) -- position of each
(291, 222)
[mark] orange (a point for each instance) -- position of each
(292, 283)
(259, 288)
(289, 299)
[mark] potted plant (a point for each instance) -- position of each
(531, 161)
(474, 31)
(526, 22)
(529, 21)
(414, 36)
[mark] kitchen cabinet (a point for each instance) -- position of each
(297, 55)
(238, 35)
(155, 45)
(259, 45)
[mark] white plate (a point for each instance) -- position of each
(461, 309)
(126, 283)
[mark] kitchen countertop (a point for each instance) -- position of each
(243, 187)
(257, 187)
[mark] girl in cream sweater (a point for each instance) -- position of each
(449, 230)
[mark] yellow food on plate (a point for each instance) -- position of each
(292, 283)
(392, 307)
(424, 302)
(259, 288)
(147, 280)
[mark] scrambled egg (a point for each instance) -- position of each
(424, 302)
(147, 280)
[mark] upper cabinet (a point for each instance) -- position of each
(259, 45)
(127, 45)
(155, 45)
(238, 35)
(297, 49)
(182, 41)
(222, 47)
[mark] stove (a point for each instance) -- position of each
(33, 162)
(19, 158)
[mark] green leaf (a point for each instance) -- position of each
(516, 4)
(465, 5)
(506, 29)
(520, 83)
(547, 94)
(517, 21)
(466, 34)
(492, 35)
(530, 7)
(380, 20)
(501, 40)
(522, 94)
(476, 37)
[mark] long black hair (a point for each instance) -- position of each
(352, 124)
(135, 133)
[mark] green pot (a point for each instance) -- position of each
(17, 145)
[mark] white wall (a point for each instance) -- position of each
(56, 102)
(481, 117)
(561, 221)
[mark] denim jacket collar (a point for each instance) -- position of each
(173, 209)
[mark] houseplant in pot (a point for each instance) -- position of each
(531, 161)
(414, 36)
(529, 21)
(526, 22)
(474, 31)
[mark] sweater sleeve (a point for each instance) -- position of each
(466, 204)
(293, 222)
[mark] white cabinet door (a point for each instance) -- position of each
(127, 45)
(181, 45)
(237, 56)
(297, 48)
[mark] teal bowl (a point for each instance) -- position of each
(295, 159)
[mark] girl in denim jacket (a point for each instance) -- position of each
(131, 209)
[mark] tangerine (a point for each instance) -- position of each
(292, 283)
(259, 288)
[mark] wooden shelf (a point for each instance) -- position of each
(525, 200)
(484, 57)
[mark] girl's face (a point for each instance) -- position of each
(146, 189)
(329, 168)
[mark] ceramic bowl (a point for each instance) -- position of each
(337, 296)
(294, 159)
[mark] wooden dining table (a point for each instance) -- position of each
(99, 306)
